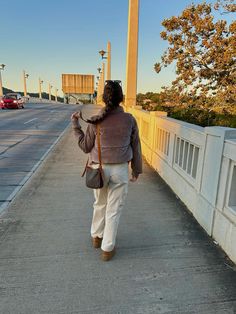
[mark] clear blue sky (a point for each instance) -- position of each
(48, 38)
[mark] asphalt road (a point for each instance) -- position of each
(26, 136)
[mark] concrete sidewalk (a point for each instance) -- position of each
(165, 262)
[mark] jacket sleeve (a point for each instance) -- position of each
(136, 162)
(85, 140)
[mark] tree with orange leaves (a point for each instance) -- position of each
(204, 51)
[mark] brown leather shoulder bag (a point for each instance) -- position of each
(94, 177)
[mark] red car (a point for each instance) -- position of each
(12, 101)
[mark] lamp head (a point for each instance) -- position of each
(99, 70)
(2, 66)
(102, 53)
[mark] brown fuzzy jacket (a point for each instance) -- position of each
(119, 140)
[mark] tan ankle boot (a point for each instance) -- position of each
(106, 256)
(97, 242)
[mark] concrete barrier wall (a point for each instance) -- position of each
(199, 164)
(38, 100)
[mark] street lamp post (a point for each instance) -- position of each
(40, 88)
(49, 92)
(25, 76)
(96, 93)
(2, 66)
(102, 77)
(99, 81)
(132, 54)
(97, 85)
(56, 90)
(102, 53)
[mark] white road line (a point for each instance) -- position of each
(30, 120)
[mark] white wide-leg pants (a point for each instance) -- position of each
(108, 205)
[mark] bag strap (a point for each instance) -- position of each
(99, 151)
(85, 168)
(99, 145)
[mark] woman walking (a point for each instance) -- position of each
(119, 144)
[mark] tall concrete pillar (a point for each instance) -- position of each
(108, 60)
(132, 54)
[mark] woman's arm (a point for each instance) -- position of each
(136, 162)
(85, 141)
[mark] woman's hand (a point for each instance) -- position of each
(75, 119)
(76, 115)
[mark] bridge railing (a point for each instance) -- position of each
(38, 100)
(199, 164)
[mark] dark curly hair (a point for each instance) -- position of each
(112, 97)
